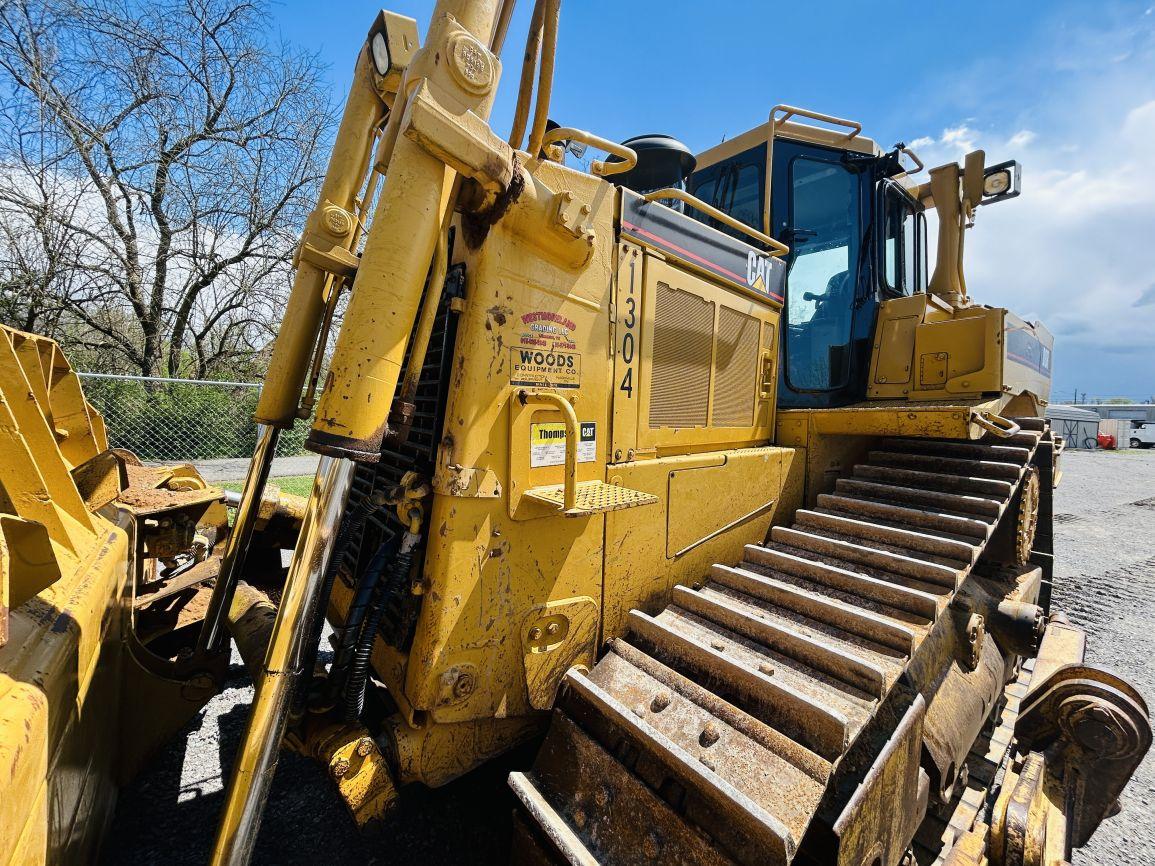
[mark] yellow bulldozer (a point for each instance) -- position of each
(683, 468)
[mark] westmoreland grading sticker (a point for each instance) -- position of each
(547, 443)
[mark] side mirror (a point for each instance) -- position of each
(1001, 182)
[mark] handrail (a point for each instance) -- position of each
(1002, 427)
(779, 249)
(572, 435)
(567, 133)
(790, 111)
(919, 166)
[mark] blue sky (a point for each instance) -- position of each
(1067, 88)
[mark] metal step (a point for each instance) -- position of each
(709, 733)
(934, 480)
(983, 508)
(948, 548)
(952, 465)
(923, 519)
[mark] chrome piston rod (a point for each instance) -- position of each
(256, 758)
(214, 631)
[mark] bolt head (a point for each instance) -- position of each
(660, 702)
(553, 628)
(651, 847)
(463, 686)
(364, 747)
(340, 767)
(709, 735)
(337, 221)
(535, 633)
(1097, 730)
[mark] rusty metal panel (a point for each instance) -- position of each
(877, 824)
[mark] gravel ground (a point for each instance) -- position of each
(1105, 579)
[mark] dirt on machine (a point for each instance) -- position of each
(686, 468)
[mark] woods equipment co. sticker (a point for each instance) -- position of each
(546, 356)
(547, 443)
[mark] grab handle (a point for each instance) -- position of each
(572, 435)
(778, 249)
(1002, 427)
(567, 133)
(789, 111)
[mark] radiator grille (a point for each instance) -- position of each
(736, 365)
(419, 453)
(683, 337)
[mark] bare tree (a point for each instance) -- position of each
(162, 156)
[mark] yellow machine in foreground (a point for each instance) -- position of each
(684, 468)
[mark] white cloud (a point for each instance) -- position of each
(1077, 248)
(959, 139)
(1021, 139)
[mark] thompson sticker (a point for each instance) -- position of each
(547, 443)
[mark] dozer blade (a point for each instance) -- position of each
(712, 732)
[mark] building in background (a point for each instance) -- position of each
(1133, 411)
(1078, 426)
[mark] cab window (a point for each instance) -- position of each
(824, 231)
(734, 186)
(903, 266)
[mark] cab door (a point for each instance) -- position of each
(820, 207)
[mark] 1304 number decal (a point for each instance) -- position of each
(629, 339)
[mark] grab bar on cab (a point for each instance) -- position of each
(789, 111)
(777, 249)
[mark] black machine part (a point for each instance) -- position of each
(663, 161)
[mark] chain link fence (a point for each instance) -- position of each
(182, 419)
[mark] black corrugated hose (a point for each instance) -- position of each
(397, 575)
(350, 526)
(363, 593)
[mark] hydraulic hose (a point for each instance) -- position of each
(350, 527)
(398, 572)
(362, 597)
(528, 67)
(545, 76)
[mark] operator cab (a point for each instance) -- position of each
(856, 238)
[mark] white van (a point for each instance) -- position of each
(1142, 434)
